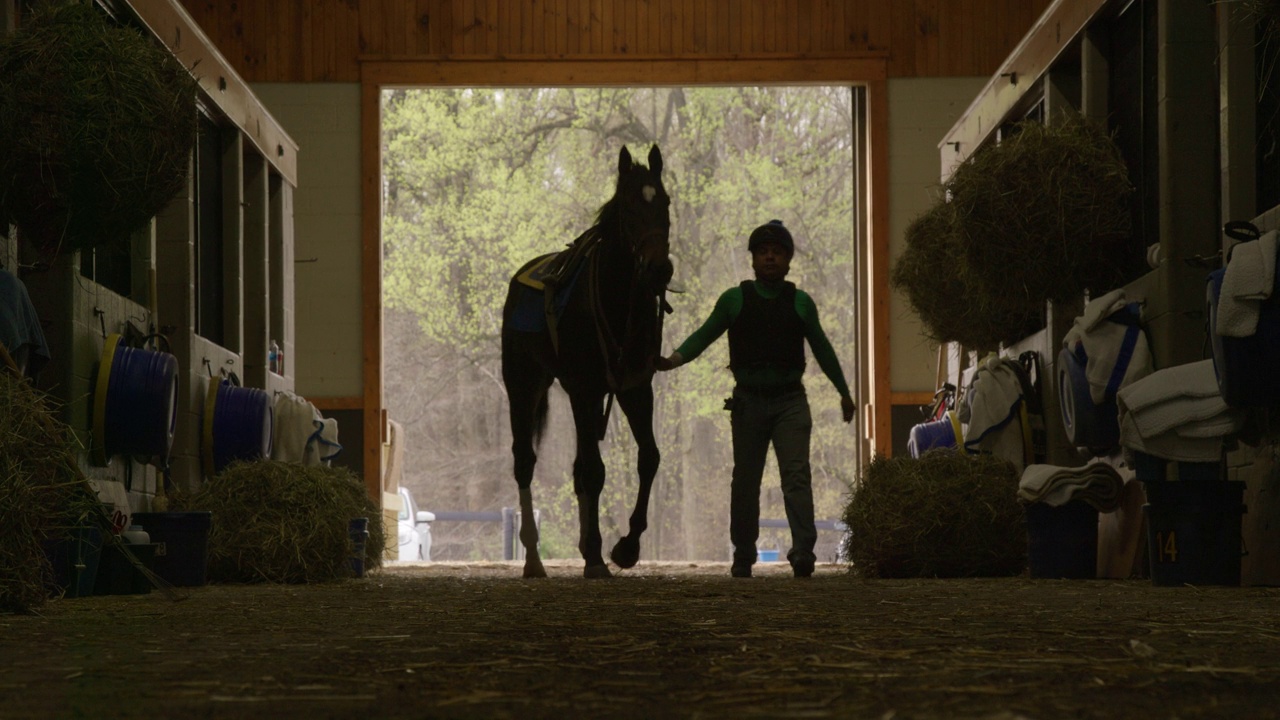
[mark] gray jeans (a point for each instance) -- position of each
(783, 420)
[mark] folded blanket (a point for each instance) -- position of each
(1177, 413)
(1248, 280)
(1097, 483)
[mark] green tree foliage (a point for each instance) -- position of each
(476, 182)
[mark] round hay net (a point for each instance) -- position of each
(98, 124)
(43, 493)
(285, 522)
(934, 274)
(1044, 214)
(944, 515)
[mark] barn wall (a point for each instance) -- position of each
(325, 40)
(324, 118)
(921, 110)
(77, 312)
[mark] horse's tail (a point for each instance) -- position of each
(540, 416)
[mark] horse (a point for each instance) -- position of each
(595, 327)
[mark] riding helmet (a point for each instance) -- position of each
(772, 231)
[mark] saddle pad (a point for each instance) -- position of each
(533, 273)
(529, 314)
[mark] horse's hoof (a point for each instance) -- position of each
(626, 553)
(592, 572)
(534, 569)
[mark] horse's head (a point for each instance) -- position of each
(644, 218)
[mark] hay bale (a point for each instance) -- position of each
(43, 493)
(1044, 215)
(944, 515)
(284, 522)
(934, 274)
(98, 123)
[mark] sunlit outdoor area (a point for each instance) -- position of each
(478, 181)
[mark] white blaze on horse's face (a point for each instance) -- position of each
(649, 191)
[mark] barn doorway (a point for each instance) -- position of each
(477, 180)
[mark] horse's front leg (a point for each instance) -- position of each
(588, 480)
(637, 404)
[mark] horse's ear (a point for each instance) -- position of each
(624, 160)
(655, 160)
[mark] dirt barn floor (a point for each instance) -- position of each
(662, 640)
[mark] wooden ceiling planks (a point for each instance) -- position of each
(326, 40)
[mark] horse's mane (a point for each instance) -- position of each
(608, 216)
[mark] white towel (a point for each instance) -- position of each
(1177, 413)
(302, 434)
(1097, 310)
(1248, 280)
(1102, 340)
(990, 411)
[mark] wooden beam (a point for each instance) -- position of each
(919, 397)
(881, 421)
(506, 72)
(173, 27)
(1056, 28)
(371, 283)
(338, 402)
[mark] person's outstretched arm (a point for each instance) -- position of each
(722, 316)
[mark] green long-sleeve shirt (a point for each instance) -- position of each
(726, 311)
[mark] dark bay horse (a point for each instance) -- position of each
(596, 329)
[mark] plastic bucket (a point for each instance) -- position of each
(943, 433)
(135, 402)
(1194, 531)
(1062, 541)
(181, 554)
(769, 555)
(75, 560)
(237, 425)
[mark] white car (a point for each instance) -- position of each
(414, 529)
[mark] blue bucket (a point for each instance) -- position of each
(358, 530)
(236, 425)
(135, 408)
(936, 434)
(1087, 425)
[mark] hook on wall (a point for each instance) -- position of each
(1013, 77)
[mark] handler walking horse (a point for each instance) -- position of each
(591, 318)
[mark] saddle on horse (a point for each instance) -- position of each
(554, 275)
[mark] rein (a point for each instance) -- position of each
(610, 347)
